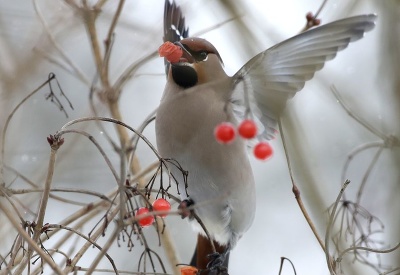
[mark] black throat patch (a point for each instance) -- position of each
(184, 76)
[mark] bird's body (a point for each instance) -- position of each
(223, 195)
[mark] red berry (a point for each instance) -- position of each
(189, 270)
(224, 132)
(147, 221)
(161, 205)
(263, 150)
(247, 129)
(170, 51)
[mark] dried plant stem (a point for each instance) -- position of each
(3, 140)
(32, 245)
(123, 134)
(112, 120)
(112, 96)
(95, 207)
(119, 227)
(108, 40)
(360, 120)
(367, 173)
(282, 262)
(89, 17)
(355, 152)
(329, 261)
(64, 190)
(46, 193)
(50, 226)
(390, 271)
(103, 252)
(38, 189)
(7, 194)
(320, 8)
(296, 191)
(99, 4)
(81, 76)
(42, 207)
(87, 245)
(310, 24)
(92, 210)
(169, 246)
(339, 258)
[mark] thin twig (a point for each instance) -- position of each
(390, 271)
(329, 228)
(380, 251)
(5, 193)
(314, 21)
(45, 194)
(98, 270)
(36, 187)
(43, 204)
(112, 121)
(59, 226)
(89, 17)
(81, 76)
(3, 141)
(356, 117)
(63, 190)
(98, 146)
(297, 192)
(89, 242)
(281, 267)
(367, 173)
(102, 252)
(109, 39)
(32, 244)
(355, 152)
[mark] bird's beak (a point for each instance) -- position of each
(186, 56)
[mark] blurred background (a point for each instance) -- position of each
(44, 36)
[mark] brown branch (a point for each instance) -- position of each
(296, 191)
(32, 245)
(108, 40)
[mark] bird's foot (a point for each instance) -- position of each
(217, 264)
(183, 207)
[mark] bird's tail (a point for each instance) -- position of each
(203, 254)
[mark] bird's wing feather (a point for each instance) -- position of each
(272, 77)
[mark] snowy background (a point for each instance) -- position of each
(319, 132)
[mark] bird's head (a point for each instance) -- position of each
(200, 63)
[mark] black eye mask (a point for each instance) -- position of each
(198, 56)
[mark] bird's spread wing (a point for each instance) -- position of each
(272, 77)
(174, 25)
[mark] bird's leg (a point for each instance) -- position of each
(218, 263)
(184, 208)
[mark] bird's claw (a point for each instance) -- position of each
(216, 263)
(183, 207)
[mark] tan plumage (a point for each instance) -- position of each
(199, 95)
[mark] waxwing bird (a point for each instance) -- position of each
(199, 95)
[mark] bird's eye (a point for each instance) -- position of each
(200, 56)
(203, 55)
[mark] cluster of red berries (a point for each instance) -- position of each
(158, 205)
(225, 133)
